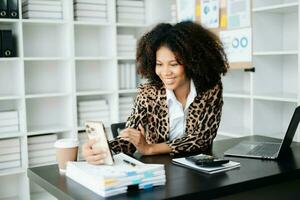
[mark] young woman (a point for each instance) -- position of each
(179, 110)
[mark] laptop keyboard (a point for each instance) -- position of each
(266, 149)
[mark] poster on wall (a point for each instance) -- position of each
(185, 10)
(238, 12)
(210, 13)
(238, 45)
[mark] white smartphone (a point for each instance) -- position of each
(95, 130)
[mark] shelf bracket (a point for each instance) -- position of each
(252, 69)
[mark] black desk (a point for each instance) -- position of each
(185, 183)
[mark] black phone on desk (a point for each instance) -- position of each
(204, 160)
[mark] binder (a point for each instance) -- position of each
(3, 8)
(12, 9)
(7, 43)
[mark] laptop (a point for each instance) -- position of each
(267, 150)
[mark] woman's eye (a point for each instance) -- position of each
(174, 65)
(158, 64)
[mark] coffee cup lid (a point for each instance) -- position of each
(66, 143)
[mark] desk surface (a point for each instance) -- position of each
(186, 183)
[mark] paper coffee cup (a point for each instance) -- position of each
(66, 150)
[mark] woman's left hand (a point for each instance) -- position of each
(137, 138)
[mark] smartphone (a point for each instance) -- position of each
(207, 160)
(95, 130)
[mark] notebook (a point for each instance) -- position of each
(267, 150)
(209, 170)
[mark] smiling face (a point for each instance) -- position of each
(169, 70)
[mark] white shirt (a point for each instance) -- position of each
(178, 114)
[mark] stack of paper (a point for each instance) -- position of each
(9, 122)
(97, 110)
(126, 45)
(127, 76)
(108, 180)
(10, 154)
(41, 150)
(90, 10)
(131, 11)
(42, 9)
(209, 170)
(125, 107)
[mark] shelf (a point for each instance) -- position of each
(89, 93)
(91, 23)
(12, 172)
(10, 78)
(276, 53)
(8, 20)
(10, 135)
(228, 134)
(236, 117)
(39, 130)
(9, 59)
(236, 95)
(132, 25)
(129, 91)
(94, 41)
(42, 40)
(10, 97)
(45, 58)
(125, 58)
(46, 95)
(93, 58)
(281, 8)
(43, 21)
(285, 97)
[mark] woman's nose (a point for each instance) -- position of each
(166, 70)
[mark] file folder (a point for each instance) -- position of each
(12, 9)
(7, 43)
(3, 8)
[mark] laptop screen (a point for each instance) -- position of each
(288, 138)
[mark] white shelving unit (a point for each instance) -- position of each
(62, 62)
(262, 102)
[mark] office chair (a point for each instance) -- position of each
(116, 128)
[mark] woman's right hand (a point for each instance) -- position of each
(94, 156)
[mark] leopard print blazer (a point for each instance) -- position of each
(151, 110)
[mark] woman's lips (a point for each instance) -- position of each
(169, 81)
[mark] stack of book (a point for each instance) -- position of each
(173, 13)
(9, 121)
(82, 138)
(97, 110)
(41, 150)
(42, 9)
(126, 45)
(127, 76)
(10, 154)
(131, 11)
(109, 180)
(125, 107)
(90, 10)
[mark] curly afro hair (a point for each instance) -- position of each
(197, 49)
